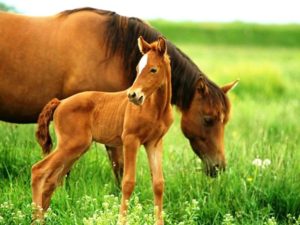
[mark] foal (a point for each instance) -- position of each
(111, 119)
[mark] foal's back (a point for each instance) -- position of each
(97, 116)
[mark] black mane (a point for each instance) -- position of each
(122, 34)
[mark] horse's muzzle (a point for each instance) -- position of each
(214, 171)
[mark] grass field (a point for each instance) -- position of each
(264, 125)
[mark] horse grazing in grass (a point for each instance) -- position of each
(95, 50)
(110, 119)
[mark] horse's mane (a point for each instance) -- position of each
(121, 37)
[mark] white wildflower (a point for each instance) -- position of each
(105, 205)
(228, 219)
(257, 162)
(266, 163)
(20, 214)
(261, 163)
(271, 221)
(194, 202)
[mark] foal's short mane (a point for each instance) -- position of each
(121, 37)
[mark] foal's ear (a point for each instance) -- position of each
(144, 46)
(229, 86)
(161, 45)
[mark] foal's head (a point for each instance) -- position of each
(153, 70)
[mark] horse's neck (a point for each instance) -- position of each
(185, 75)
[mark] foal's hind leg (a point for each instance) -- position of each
(115, 155)
(47, 174)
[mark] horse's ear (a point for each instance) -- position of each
(229, 86)
(144, 46)
(202, 87)
(161, 45)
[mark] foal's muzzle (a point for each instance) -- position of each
(136, 96)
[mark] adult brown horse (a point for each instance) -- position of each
(89, 49)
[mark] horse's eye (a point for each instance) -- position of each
(153, 70)
(208, 121)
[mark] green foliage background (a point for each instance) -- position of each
(4, 7)
(264, 124)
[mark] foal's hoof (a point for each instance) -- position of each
(37, 216)
(37, 222)
(159, 222)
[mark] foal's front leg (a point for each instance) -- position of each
(154, 153)
(130, 148)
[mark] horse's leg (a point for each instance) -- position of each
(154, 153)
(48, 173)
(115, 155)
(130, 148)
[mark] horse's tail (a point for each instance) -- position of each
(42, 134)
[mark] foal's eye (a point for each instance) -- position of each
(208, 121)
(153, 70)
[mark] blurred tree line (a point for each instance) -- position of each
(4, 7)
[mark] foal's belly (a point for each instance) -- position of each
(114, 141)
(108, 118)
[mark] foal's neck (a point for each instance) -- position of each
(161, 98)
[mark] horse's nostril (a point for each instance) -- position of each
(202, 139)
(219, 167)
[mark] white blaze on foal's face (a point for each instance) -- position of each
(143, 62)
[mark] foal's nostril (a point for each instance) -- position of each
(132, 95)
(141, 98)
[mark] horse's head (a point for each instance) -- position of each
(153, 70)
(204, 122)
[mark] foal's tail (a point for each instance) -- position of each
(42, 134)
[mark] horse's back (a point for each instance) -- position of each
(46, 57)
(22, 58)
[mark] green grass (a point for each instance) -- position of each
(236, 33)
(264, 124)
